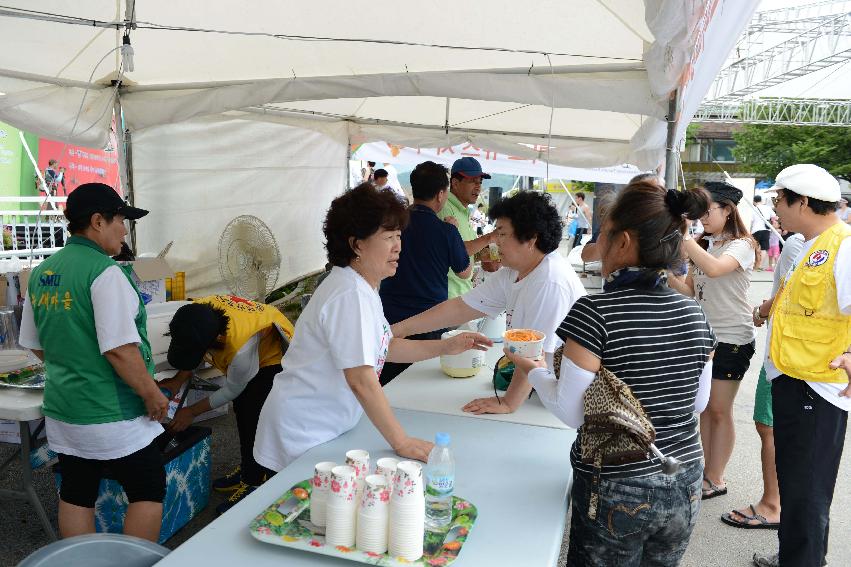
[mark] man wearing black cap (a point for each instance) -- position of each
(85, 318)
(243, 339)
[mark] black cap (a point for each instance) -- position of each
(721, 190)
(193, 330)
(91, 198)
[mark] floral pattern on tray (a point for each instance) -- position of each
(441, 549)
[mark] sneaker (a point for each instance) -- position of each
(241, 492)
(761, 560)
(230, 482)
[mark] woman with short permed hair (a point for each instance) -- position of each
(535, 287)
(329, 376)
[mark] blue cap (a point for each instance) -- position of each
(469, 167)
(442, 439)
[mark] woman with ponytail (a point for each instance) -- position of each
(659, 343)
(720, 279)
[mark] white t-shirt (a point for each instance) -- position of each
(842, 274)
(539, 301)
(310, 403)
(724, 299)
(243, 367)
(844, 215)
(761, 222)
(116, 305)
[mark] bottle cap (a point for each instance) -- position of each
(442, 439)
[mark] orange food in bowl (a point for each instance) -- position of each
(522, 335)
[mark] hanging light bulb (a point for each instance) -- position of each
(127, 54)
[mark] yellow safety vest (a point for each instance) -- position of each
(808, 330)
(247, 318)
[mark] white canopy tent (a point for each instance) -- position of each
(238, 107)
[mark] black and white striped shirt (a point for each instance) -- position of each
(657, 341)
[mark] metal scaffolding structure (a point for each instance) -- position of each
(820, 38)
(797, 111)
(823, 45)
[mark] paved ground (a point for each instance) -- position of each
(712, 544)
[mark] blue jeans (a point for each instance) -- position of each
(640, 521)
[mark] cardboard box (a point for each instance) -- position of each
(149, 275)
(196, 396)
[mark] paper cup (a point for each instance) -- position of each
(376, 495)
(408, 482)
(343, 485)
(319, 495)
(358, 459)
(533, 349)
(340, 524)
(407, 528)
(387, 467)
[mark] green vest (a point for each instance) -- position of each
(82, 387)
(454, 208)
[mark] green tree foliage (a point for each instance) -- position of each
(768, 148)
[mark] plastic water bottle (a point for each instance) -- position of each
(440, 482)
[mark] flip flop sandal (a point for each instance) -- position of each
(713, 491)
(729, 518)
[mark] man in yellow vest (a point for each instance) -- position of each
(242, 339)
(809, 363)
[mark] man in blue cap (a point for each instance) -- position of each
(464, 188)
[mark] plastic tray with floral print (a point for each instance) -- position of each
(440, 548)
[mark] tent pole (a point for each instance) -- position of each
(125, 163)
(671, 156)
(347, 180)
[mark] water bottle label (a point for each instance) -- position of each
(440, 485)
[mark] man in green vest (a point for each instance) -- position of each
(84, 317)
(464, 188)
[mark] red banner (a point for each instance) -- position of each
(66, 170)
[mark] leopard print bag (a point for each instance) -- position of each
(616, 429)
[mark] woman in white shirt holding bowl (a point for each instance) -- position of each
(536, 287)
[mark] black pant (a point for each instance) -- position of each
(577, 240)
(393, 369)
(247, 408)
(809, 433)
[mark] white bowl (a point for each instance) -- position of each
(527, 349)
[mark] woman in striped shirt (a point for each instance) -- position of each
(658, 342)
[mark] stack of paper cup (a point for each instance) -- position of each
(358, 459)
(407, 512)
(319, 495)
(373, 514)
(387, 467)
(341, 509)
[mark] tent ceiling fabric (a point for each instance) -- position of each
(610, 68)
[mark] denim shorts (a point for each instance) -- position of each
(644, 521)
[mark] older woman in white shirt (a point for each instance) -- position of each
(536, 287)
(341, 341)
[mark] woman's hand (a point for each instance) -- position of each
(466, 341)
(524, 364)
(182, 420)
(413, 448)
(488, 405)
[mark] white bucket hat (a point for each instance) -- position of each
(807, 180)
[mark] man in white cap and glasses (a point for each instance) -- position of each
(809, 362)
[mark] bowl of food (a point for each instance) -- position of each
(527, 343)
